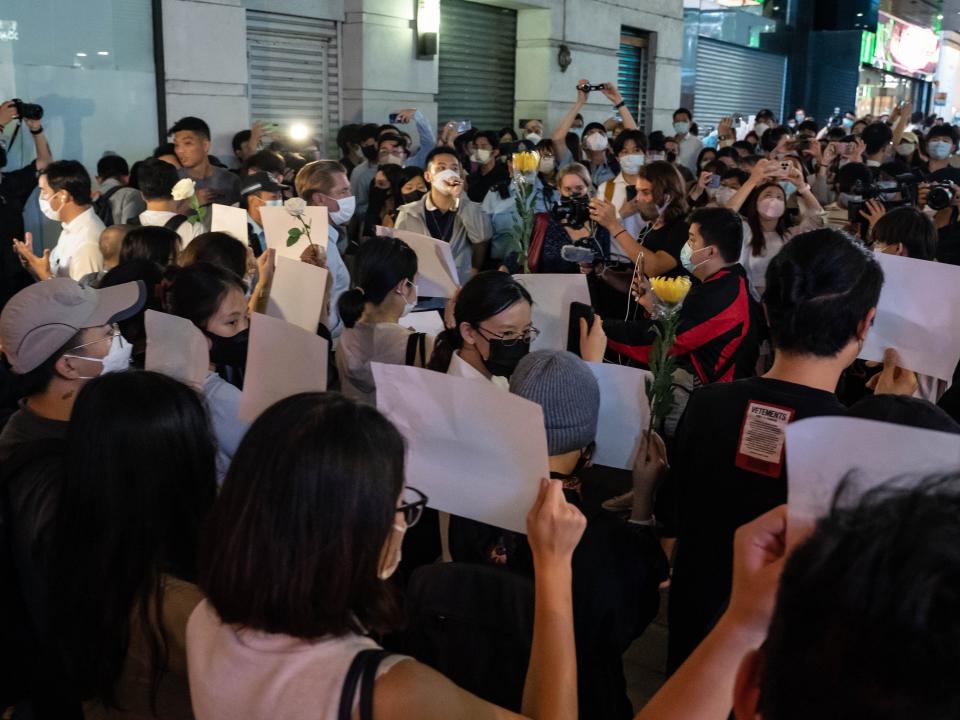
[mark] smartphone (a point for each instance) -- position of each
(578, 310)
(786, 167)
(393, 117)
(714, 182)
(463, 126)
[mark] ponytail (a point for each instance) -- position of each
(446, 343)
(351, 305)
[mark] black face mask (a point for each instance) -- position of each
(230, 351)
(413, 196)
(370, 152)
(671, 157)
(504, 359)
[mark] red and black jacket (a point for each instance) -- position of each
(717, 337)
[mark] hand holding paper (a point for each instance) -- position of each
(552, 295)
(297, 293)
(278, 222)
(436, 271)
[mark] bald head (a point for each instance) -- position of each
(110, 241)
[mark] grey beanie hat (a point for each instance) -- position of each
(562, 384)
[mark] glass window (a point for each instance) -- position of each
(90, 65)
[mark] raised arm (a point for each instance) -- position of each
(559, 136)
(612, 94)
(904, 112)
(761, 172)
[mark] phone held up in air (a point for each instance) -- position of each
(714, 182)
(463, 126)
(393, 117)
(578, 310)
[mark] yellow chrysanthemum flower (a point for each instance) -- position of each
(526, 162)
(671, 290)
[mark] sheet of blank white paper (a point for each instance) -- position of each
(436, 270)
(474, 450)
(297, 293)
(552, 295)
(232, 220)
(624, 413)
(429, 322)
(282, 360)
(176, 348)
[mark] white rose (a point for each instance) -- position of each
(184, 189)
(296, 206)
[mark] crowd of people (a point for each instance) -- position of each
(161, 556)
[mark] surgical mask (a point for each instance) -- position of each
(681, 128)
(409, 306)
(724, 195)
(771, 208)
(760, 129)
(117, 358)
(389, 570)
(848, 123)
(370, 152)
(342, 215)
(845, 199)
(503, 359)
(596, 142)
(231, 350)
(788, 187)
(273, 203)
(49, 211)
(413, 196)
(533, 137)
(800, 117)
(686, 258)
(631, 164)
(547, 165)
(441, 179)
(906, 149)
(939, 150)
(481, 155)
(393, 159)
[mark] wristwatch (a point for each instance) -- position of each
(622, 103)
(37, 131)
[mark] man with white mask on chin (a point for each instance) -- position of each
(446, 214)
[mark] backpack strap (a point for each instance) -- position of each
(362, 672)
(608, 190)
(175, 222)
(111, 192)
(415, 342)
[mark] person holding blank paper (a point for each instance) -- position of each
(618, 565)
(296, 580)
(728, 467)
(371, 312)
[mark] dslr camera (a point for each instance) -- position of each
(900, 192)
(940, 195)
(573, 211)
(27, 111)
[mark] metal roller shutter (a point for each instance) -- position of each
(294, 66)
(733, 79)
(478, 46)
(632, 73)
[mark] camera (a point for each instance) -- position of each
(900, 192)
(587, 87)
(573, 211)
(27, 111)
(940, 195)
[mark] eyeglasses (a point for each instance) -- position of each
(509, 339)
(115, 332)
(412, 504)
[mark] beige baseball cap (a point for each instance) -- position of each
(41, 318)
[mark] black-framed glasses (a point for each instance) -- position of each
(512, 338)
(412, 503)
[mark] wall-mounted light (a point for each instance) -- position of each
(564, 58)
(428, 27)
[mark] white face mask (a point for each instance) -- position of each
(273, 203)
(481, 155)
(533, 137)
(392, 159)
(760, 129)
(47, 210)
(596, 142)
(771, 208)
(681, 128)
(547, 164)
(939, 150)
(116, 360)
(409, 306)
(342, 215)
(724, 195)
(906, 149)
(440, 181)
(394, 563)
(631, 164)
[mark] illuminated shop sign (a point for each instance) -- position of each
(904, 48)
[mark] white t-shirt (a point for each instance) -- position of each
(241, 674)
(187, 231)
(78, 249)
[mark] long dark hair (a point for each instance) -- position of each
(197, 291)
(484, 295)
(381, 264)
(139, 479)
(293, 545)
(666, 180)
(158, 244)
(751, 212)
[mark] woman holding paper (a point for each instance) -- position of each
(304, 535)
(385, 292)
(212, 298)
